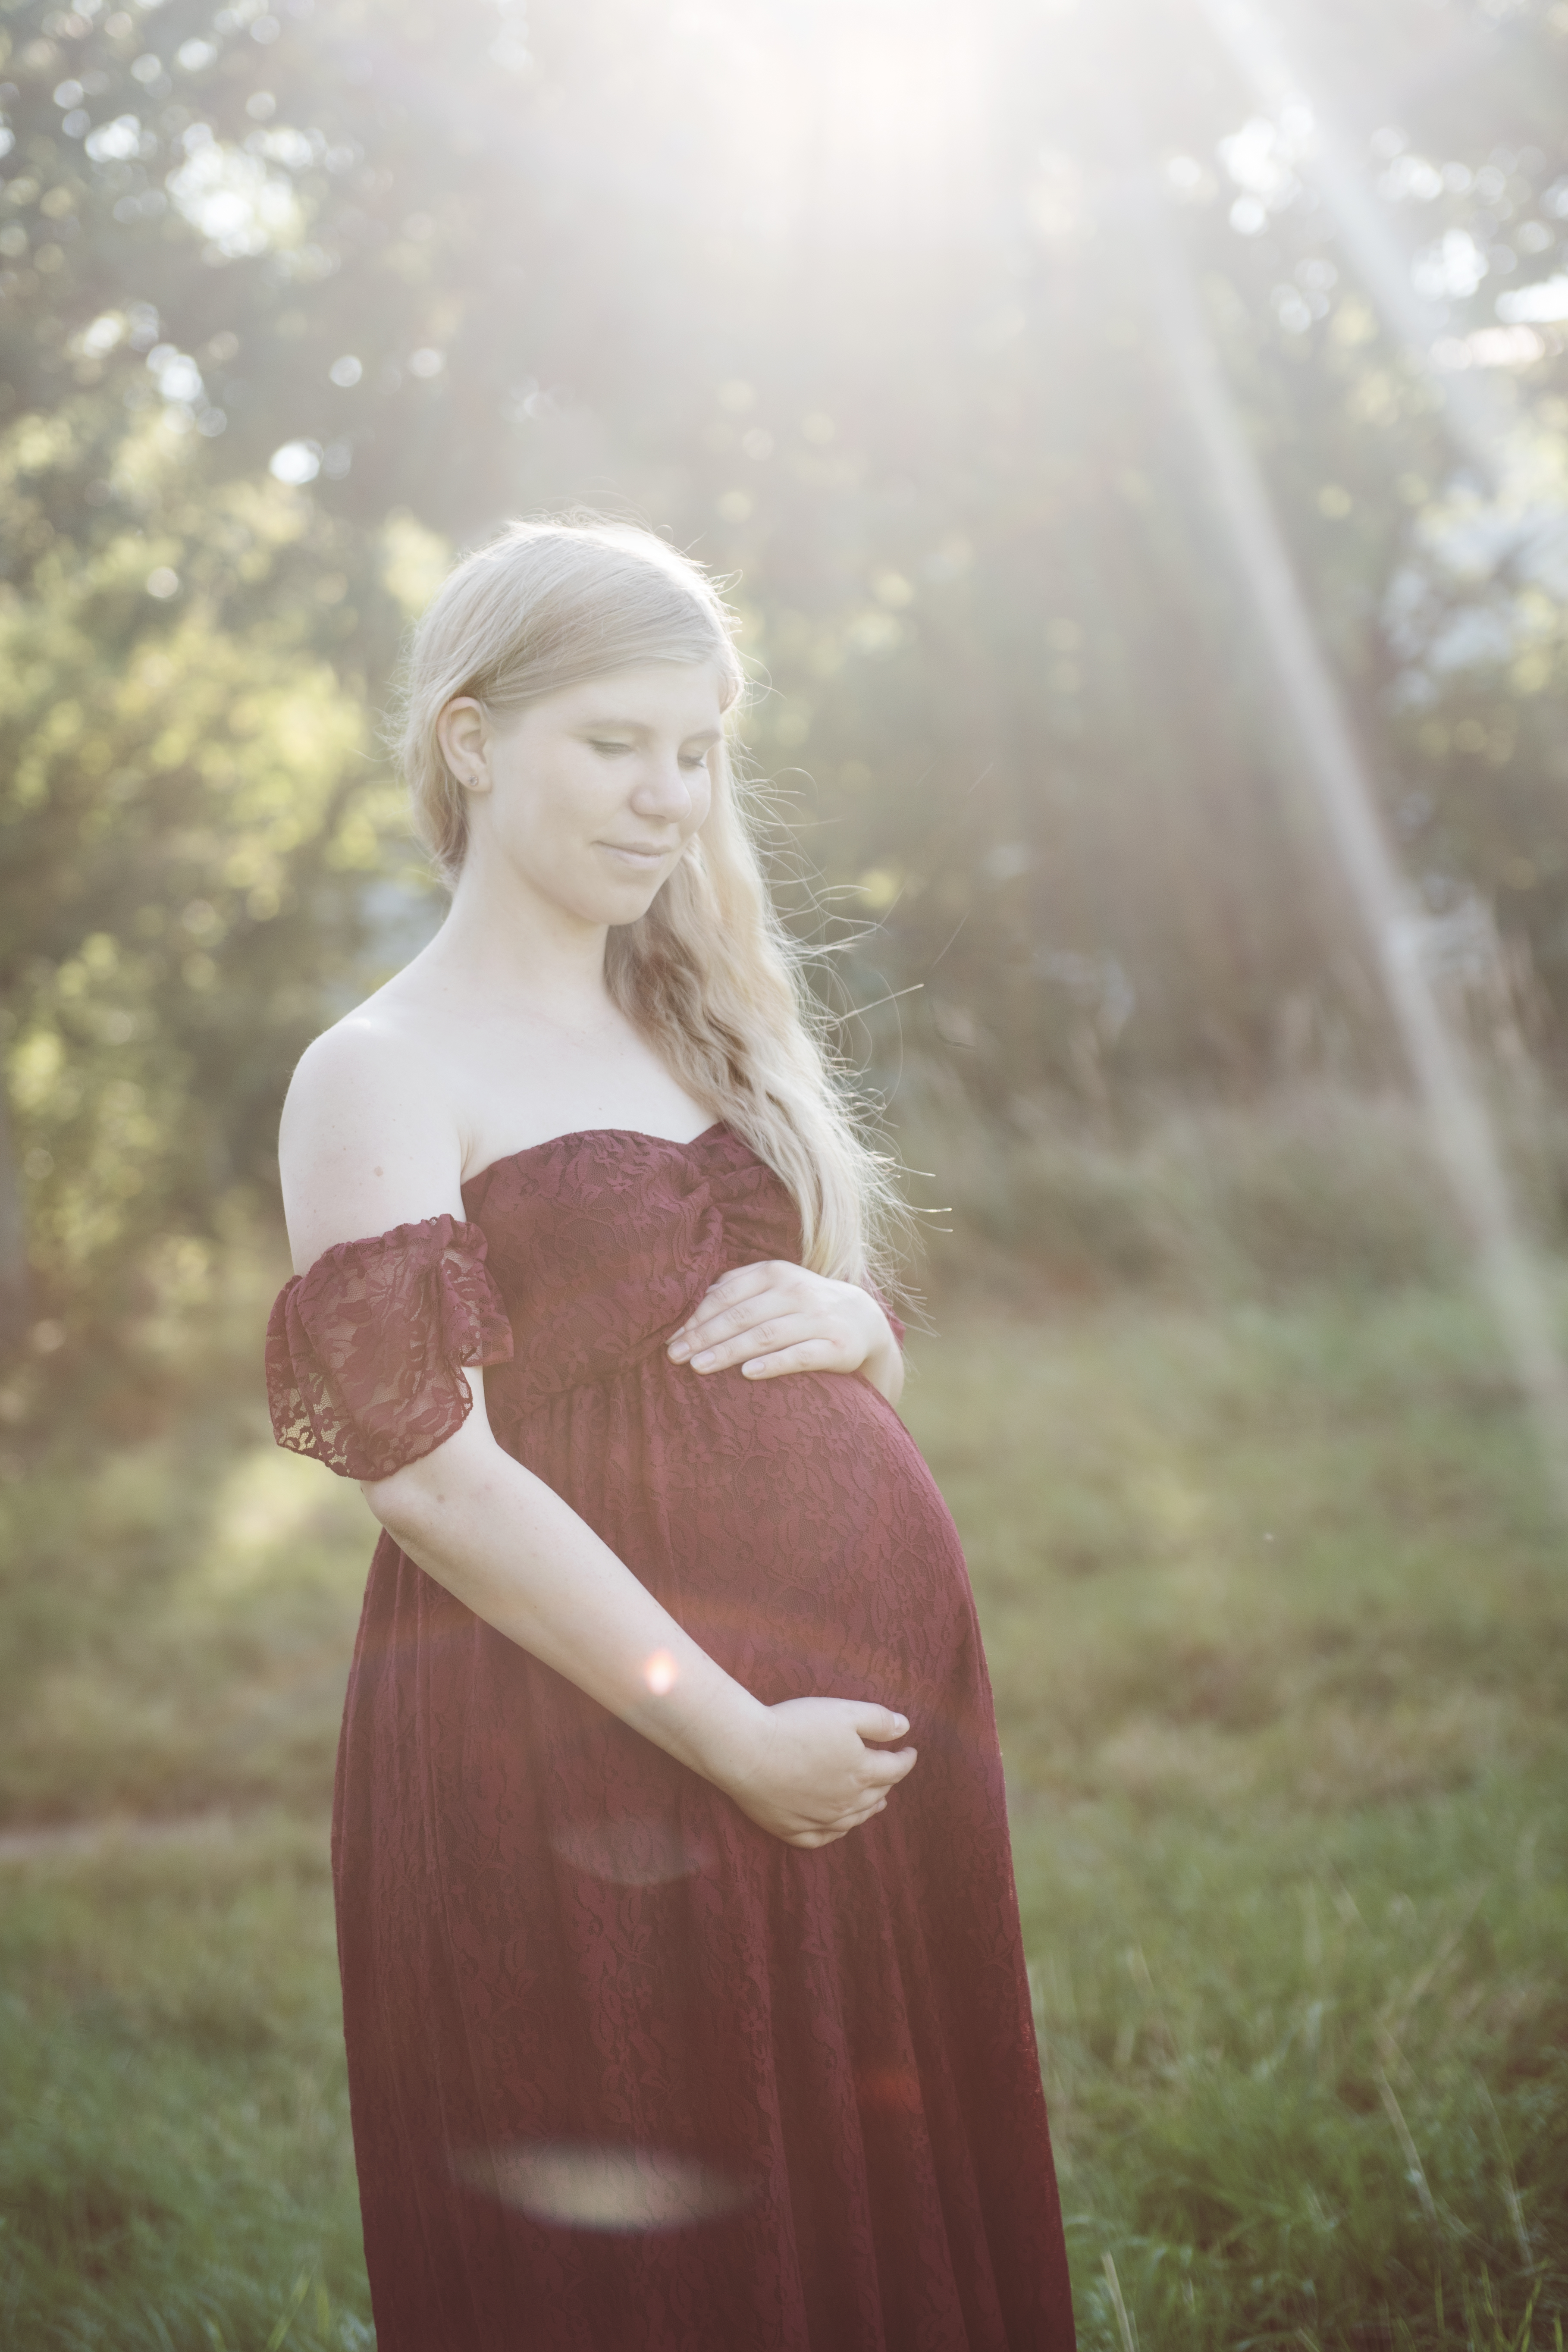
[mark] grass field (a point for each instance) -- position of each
(1277, 1614)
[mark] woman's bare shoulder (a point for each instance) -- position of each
(370, 1135)
(378, 1060)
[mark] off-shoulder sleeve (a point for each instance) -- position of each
(364, 1350)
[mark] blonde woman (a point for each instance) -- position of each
(684, 1998)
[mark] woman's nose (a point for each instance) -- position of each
(664, 788)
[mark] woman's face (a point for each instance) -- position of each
(586, 798)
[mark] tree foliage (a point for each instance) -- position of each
(862, 309)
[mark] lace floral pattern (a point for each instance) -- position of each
(364, 1350)
(628, 2075)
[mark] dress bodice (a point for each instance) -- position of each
(600, 1244)
(578, 1258)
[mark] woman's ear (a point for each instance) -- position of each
(461, 732)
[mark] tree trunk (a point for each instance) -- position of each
(14, 1280)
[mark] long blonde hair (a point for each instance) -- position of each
(709, 974)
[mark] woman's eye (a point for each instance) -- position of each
(612, 747)
(699, 762)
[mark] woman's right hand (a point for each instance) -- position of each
(821, 1768)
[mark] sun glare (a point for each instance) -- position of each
(858, 118)
(903, 103)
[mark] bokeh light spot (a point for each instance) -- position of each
(297, 462)
(890, 2090)
(659, 1673)
(633, 1852)
(581, 2186)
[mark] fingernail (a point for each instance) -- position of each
(679, 1350)
(700, 1364)
(900, 1722)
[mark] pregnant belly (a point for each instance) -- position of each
(790, 1525)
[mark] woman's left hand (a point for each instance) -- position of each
(779, 1317)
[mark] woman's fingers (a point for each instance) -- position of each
(722, 1310)
(841, 1829)
(766, 1317)
(756, 1313)
(885, 1771)
(815, 1355)
(777, 1318)
(827, 1768)
(879, 1774)
(778, 1341)
(765, 1323)
(875, 1723)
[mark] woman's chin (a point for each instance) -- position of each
(628, 903)
(632, 894)
(633, 914)
(597, 900)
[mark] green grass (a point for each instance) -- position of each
(1276, 1611)
(1277, 1614)
(176, 2169)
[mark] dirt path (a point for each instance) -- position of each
(89, 1839)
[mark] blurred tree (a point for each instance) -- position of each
(854, 305)
(189, 817)
(1442, 593)
(194, 826)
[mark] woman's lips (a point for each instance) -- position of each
(638, 853)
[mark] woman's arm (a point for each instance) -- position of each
(507, 1546)
(367, 1144)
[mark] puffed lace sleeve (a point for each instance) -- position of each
(366, 1350)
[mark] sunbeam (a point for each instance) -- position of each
(1480, 411)
(1461, 1124)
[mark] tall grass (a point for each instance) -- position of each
(1277, 1619)
(1279, 1631)
(176, 2169)
(1320, 1186)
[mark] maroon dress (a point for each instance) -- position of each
(628, 2074)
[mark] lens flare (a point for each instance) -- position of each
(1332, 759)
(890, 2090)
(576, 2185)
(637, 1852)
(660, 1672)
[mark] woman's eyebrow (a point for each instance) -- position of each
(641, 727)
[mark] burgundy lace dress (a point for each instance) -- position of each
(628, 2074)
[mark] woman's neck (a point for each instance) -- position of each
(508, 946)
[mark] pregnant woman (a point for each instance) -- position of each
(683, 1991)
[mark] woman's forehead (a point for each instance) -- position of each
(694, 693)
